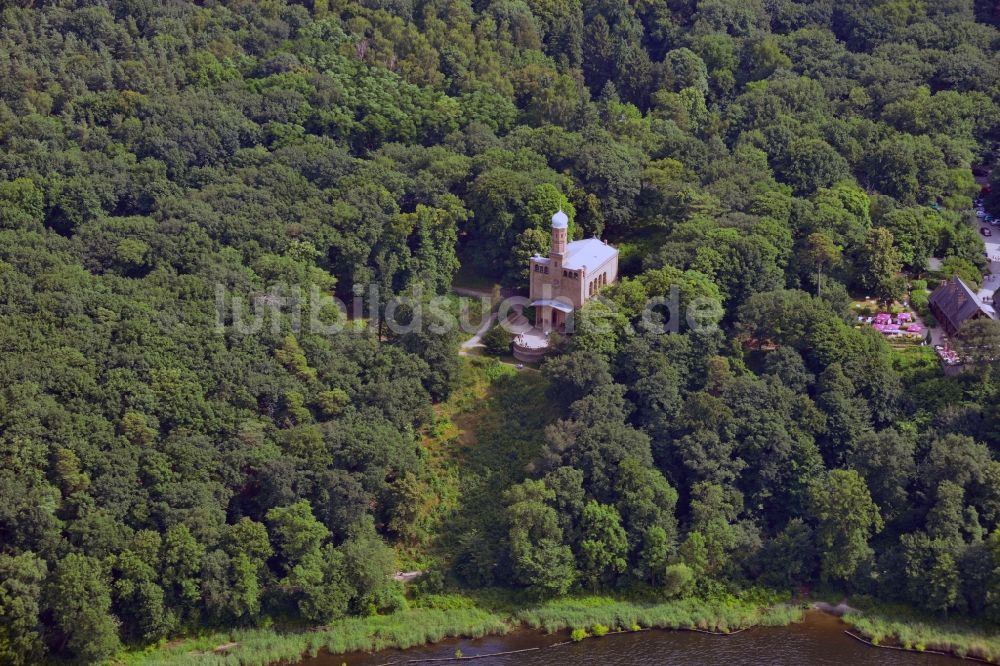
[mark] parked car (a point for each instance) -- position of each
(986, 232)
(980, 213)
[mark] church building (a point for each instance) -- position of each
(570, 276)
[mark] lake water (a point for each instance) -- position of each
(818, 640)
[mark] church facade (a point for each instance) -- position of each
(572, 274)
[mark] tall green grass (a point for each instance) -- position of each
(261, 647)
(461, 616)
(904, 628)
(715, 615)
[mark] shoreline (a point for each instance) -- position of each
(594, 616)
(811, 613)
(864, 640)
(902, 628)
(460, 617)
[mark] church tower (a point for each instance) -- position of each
(560, 229)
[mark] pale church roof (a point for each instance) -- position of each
(591, 253)
(560, 220)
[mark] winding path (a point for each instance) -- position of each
(476, 340)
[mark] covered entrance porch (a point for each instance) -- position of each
(552, 314)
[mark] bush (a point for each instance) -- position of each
(679, 580)
(497, 341)
(919, 297)
(578, 635)
(599, 630)
(431, 583)
(497, 370)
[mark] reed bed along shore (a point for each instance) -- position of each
(589, 615)
(261, 647)
(717, 616)
(911, 631)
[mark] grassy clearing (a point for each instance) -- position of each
(480, 441)
(447, 443)
(904, 627)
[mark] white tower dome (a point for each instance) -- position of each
(560, 220)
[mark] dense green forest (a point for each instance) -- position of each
(159, 475)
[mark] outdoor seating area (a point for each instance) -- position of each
(902, 324)
(947, 355)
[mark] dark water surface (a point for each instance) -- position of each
(818, 640)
